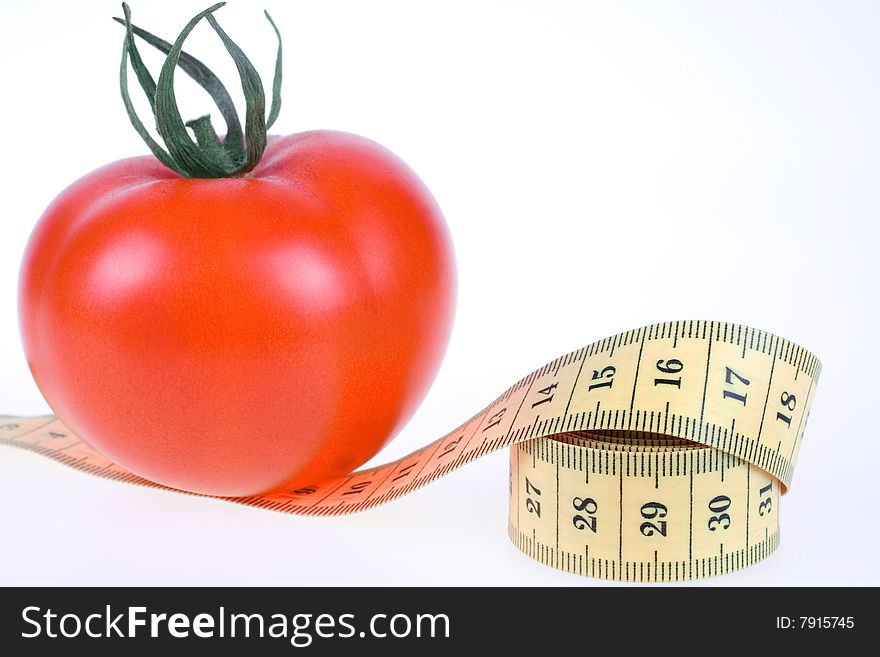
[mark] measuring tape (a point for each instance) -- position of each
(658, 454)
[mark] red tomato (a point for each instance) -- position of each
(231, 336)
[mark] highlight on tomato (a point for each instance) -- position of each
(236, 314)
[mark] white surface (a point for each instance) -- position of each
(618, 164)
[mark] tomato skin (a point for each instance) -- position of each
(233, 336)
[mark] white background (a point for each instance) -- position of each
(612, 164)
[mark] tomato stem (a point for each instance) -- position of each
(201, 154)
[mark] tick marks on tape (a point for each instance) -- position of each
(658, 454)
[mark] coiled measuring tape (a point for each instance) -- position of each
(658, 454)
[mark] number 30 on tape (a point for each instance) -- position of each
(658, 454)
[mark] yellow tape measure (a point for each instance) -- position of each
(658, 454)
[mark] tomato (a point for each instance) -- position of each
(231, 336)
(242, 314)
